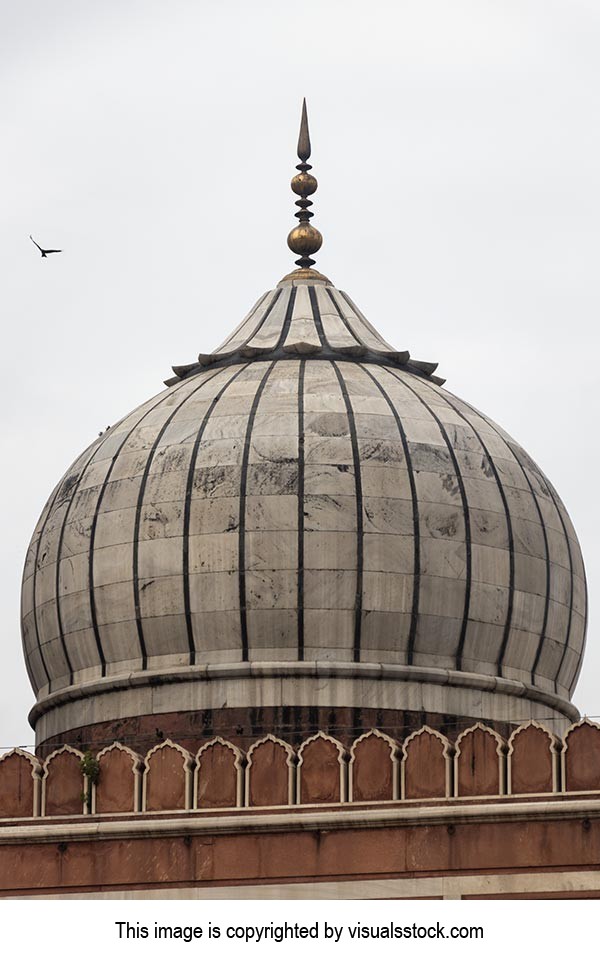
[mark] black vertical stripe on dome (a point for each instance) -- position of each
(466, 517)
(287, 321)
(314, 303)
(359, 513)
(243, 495)
(554, 500)
(72, 491)
(571, 588)
(509, 529)
(187, 512)
(358, 602)
(92, 590)
(345, 320)
(35, 643)
(412, 632)
(221, 353)
(263, 319)
(301, 510)
(34, 602)
(584, 635)
(542, 639)
(138, 514)
(61, 632)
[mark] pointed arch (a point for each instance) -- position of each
(580, 757)
(64, 786)
(270, 772)
(479, 762)
(167, 778)
(374, 768)
(426, 765)
(219, 775)
(20, 785)
(321, 776)
(532, 760)
(119, 782)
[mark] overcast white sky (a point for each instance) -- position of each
(457, 147)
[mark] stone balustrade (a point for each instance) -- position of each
(321, 771)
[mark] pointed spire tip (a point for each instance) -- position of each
(304, 136)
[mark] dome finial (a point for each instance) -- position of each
(304, 136)
(304, 239)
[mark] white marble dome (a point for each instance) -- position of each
(305, 508)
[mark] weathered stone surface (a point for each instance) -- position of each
(167, 778)
(532, 760)
(270, 772)
(374, 770)
(426, 765)
(64, 787)
(581, 757)
(479, 762)
(118, 788)
(219, 775)
(311, 495)
(19, 784)
(321, 771)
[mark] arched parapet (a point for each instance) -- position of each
(580, 758)
(321, 776)
(167, 778)
(219, 775)
(374, 770)
(532, 760)
(270, 772)
(426, 765)
(119, 782)
(20, 786)
(479, 762)
(64, 786)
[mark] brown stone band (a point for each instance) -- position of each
(292, 723)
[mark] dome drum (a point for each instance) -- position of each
(298, 699)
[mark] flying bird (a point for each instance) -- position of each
(45, 252)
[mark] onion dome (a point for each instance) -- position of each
(306, 519)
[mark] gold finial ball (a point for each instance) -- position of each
(304, 240)
(304, 184)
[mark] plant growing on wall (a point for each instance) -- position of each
(90, 768)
